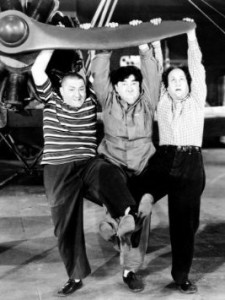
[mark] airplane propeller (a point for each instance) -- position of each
(25, 30)
(19, 33)
(17, 89)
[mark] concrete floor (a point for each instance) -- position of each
(30, 266)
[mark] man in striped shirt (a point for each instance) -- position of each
(72, 170)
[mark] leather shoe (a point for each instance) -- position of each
(187, 287)
(70, 287)
(134, 282)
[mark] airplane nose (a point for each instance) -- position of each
(13, 31)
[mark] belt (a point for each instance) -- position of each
(189, 149)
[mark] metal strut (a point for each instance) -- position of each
(105, 7)
(211, 20)
(213, 8)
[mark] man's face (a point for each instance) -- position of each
(73, 91)
(128, 90)
(177, 84)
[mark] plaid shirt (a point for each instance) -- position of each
(181, 123)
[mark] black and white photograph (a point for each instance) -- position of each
(112, 149)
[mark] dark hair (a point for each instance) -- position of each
(124, 72)
(72, 75)
(166, 73)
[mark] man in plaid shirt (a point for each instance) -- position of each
(177, 167)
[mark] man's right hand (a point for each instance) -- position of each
(192, 33)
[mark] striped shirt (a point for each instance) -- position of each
(182, 123)
(69, 133)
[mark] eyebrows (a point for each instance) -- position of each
(177, 76)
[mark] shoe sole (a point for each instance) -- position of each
(193, 291)
(65, 295)
(137, 290)
(187, 292)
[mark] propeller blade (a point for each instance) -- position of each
(19, 33)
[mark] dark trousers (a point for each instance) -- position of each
(137, 185)
(66, 185)
(181, 175)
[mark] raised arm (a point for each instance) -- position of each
(38, 69)
(151, 69)
(196, 68)
(41, 80)
(100, 70)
